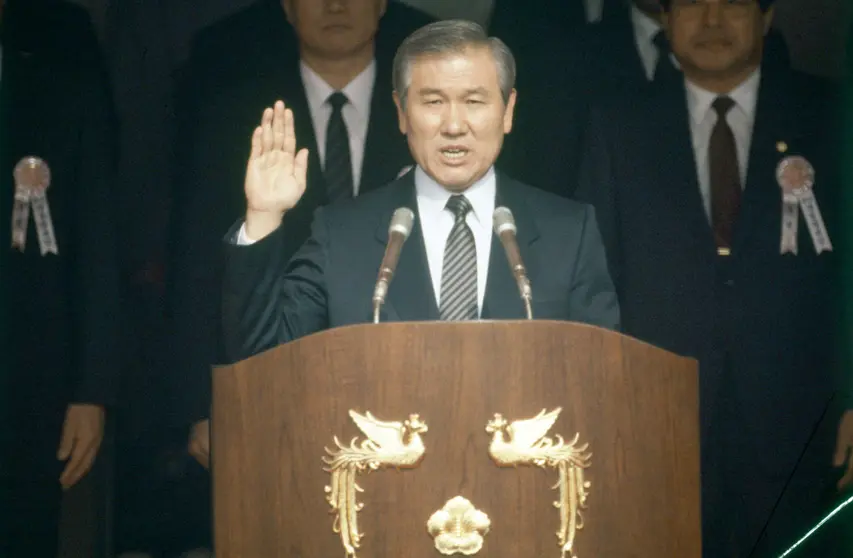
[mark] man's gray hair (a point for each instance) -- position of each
(452, 36)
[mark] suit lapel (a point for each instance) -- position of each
(502, 300)
(623, 39)
(385, 149)
(774, 123)
(411, 294)
(678, 182)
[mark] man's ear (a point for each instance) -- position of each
(401, 114)
(509, 111)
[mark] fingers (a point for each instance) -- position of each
(199, 446)
(840, 453)
(847, 480)
(288, 132)
(81, 461)
(276, 132)
(257, 143)
(200, 453)
(66, 442)
(279, 122)
(300, 169)
(266, 133)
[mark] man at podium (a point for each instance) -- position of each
(454, 92)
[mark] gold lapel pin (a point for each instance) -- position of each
(781, 146)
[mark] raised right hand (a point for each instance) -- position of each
(276, 173)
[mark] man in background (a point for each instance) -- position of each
(685, 181)
(60, 280)
(331, 61)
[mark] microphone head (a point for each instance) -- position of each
(503, 221)
(401, 222)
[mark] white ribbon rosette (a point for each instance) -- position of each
(796, 178)
(32, 179)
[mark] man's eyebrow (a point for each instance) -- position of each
(434, 91)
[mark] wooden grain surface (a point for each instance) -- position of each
(636, 405)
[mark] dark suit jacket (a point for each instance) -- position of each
(239, 67)
(760, 323)
(61, 311)
(268, 301)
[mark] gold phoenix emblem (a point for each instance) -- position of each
(527, 444)
(458, 527)
(388, 444)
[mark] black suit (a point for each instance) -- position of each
(268, 301)
(760, 323)
(60, 311)
(239, 67)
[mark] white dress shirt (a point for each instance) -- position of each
(594, 9)
(356, 112)
(645, 28)
(436, 223)
(703, 117)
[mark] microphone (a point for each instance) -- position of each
(504, 226)
(398, 232)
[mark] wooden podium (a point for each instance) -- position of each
(610, 469)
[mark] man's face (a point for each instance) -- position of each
(718, 37)
(455, 118)
(334, 28)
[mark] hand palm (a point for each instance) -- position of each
(276, 174)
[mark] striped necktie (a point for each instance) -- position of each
(459, 272)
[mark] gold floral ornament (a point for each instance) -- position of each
(458, 527)
(388, 444)
(524, 442)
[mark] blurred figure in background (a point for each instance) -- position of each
(330, 61)
(58, 260)
(686, 183)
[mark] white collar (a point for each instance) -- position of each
(645, 27)
(359, 91)
(481, 194)
(745, 96)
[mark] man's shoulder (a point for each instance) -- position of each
(239, 43)
(371, 204)
(398, 22)
(43, 30)
(546, 206)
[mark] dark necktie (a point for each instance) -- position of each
(724, 172)
(459, 272)
(338, 168)
(665, 70)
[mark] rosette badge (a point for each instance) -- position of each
(796, 179)
(32, 179)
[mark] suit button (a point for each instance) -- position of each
(730, 282)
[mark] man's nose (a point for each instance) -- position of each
(334, 6)
(455, 121)
(713, 15)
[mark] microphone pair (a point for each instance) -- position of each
(503, 224)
